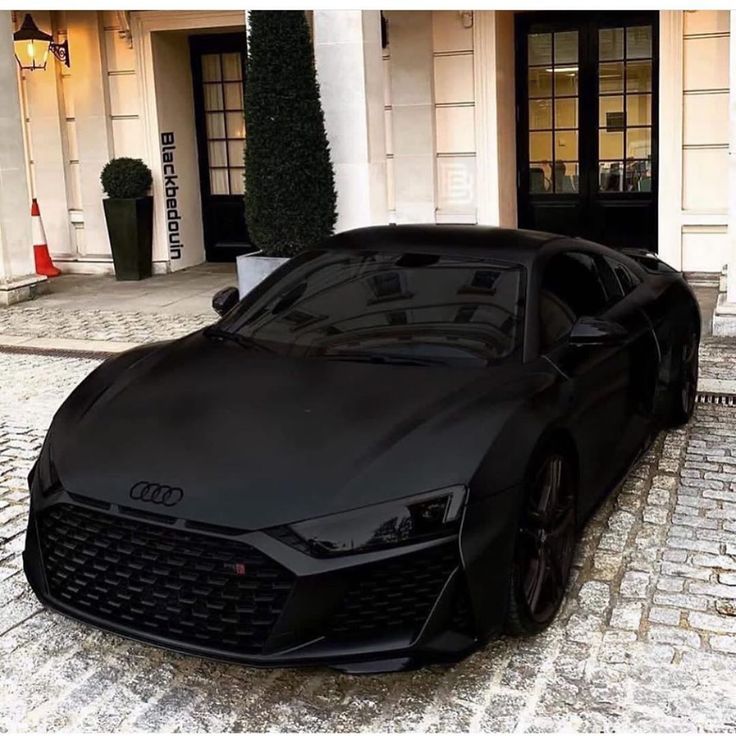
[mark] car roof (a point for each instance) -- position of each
(503, 244)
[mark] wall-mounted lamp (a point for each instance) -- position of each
(32, 46)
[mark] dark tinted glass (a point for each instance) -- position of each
(627, 280)
(387, 307)
(572, 287)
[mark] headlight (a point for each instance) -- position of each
(390, 524)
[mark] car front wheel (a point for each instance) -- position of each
(545, 544)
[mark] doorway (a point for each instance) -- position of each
(587, 96)
(218, 78)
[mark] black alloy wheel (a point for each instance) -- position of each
(685, 390)
(544, 547)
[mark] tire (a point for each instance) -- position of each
(684, 388)
(545, 543)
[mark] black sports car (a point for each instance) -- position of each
(378, 458)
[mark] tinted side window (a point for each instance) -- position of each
(572, 287)
(628, 280)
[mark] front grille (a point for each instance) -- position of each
(160, 581)
(393, 596)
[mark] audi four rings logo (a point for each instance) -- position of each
(156, 493)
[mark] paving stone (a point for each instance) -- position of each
(634, 584)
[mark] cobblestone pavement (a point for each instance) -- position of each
(99, 324)
(646, 639)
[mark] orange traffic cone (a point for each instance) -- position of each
(44, 264)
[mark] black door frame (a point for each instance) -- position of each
(202, 44)
(587, 22)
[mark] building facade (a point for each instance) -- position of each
(614, 126)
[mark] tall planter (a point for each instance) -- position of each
(130, 227)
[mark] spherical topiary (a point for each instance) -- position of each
(126, 178)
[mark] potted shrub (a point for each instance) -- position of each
(129, 216)
(290, 200)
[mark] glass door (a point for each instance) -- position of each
(586, 137)
(218, 72)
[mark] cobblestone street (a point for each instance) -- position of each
(646, 640)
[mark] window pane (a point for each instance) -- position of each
(540, 146)
(566, 47)
(610, 145)
(236, 152)
(566, 177)
(639, 76)
(215, 125)
(639, 42)
(213, 96)
(219, 181)
(235, 125)
(218, 153)
(566, 145)
(611, 112)
(566, 82)
(540, 114)
(639, 109)
(638, 176)
(610, 44)
(610, 176)
(638, 142)
(611, 77)
(540, 48)
(237, 184)
(540, 178)
(231, 67)
(566, 113)
(233, 95)
(540, 83)
(211, 67)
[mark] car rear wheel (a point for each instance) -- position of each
(685, 388)
(544, 546)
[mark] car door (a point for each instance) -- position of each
(573, 285)
(644, 348)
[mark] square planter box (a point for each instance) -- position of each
(252, 269)
(130, 227)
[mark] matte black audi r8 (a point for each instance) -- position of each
(378, 458)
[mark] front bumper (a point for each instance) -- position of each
(247, 597)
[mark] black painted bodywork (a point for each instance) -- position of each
(258, 442)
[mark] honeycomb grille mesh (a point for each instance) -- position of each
(394, 596)
(158, 581)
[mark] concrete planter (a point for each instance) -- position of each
(252, 269)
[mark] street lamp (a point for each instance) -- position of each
(32, 46)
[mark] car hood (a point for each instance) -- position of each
(255, 440)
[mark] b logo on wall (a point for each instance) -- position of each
(171, 190)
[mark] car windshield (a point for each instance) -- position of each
(387, 307)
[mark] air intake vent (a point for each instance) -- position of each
(708, 397)
(160, 581)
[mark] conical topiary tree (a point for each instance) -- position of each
(290, 189)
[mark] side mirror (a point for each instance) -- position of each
(592, 331)
(225, 300)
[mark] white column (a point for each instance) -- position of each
(91, 113)
(46, 119)
(412, 104)
(347, 49)
(18, 279)
(731, 274)
(495, 117)
(724, 317)
(669, 198)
